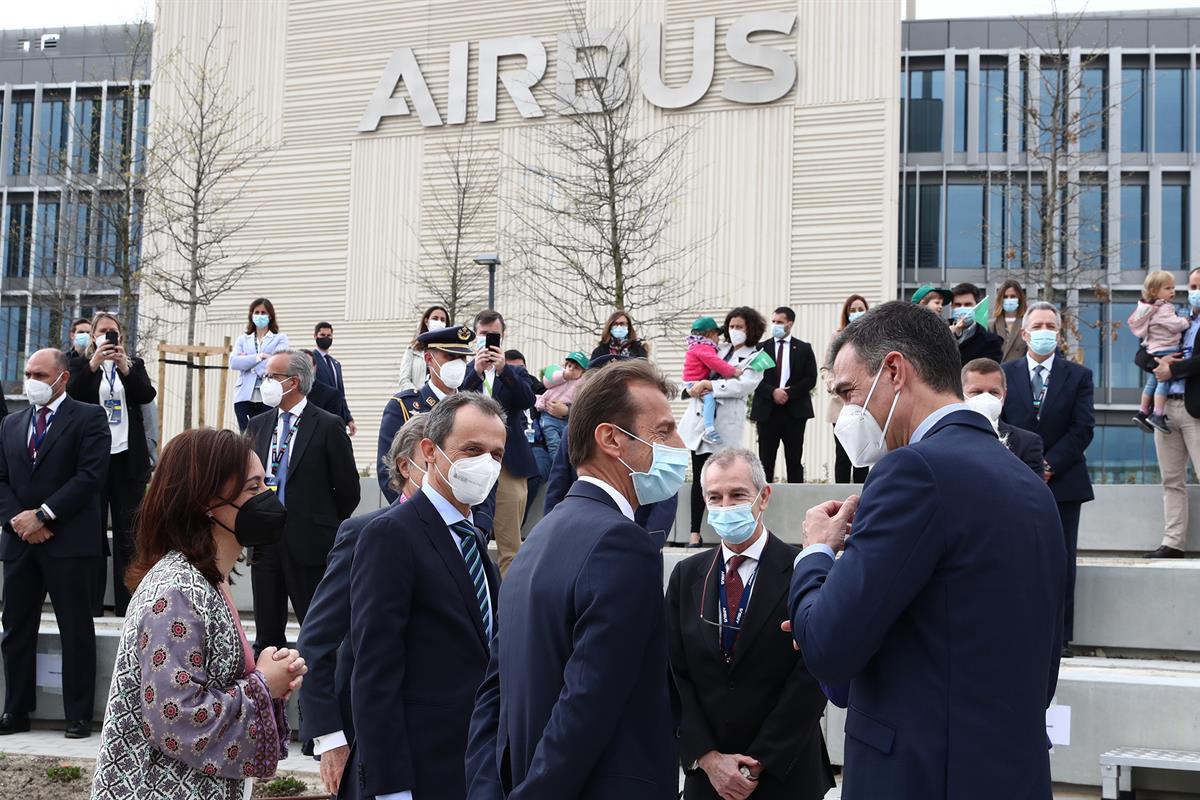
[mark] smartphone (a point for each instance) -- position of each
(493, 339)
(112, 337)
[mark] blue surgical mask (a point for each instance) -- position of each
(82, 340)
(734, 524)
(1010, 305)
(778, 330)
(619, 332)
(665, 476)
(261, 320)
(1194, 298)
(1043, 342)
(854, 315)
(963, 312)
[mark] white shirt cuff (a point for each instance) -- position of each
(46, 510)
(810, 550)
(323, 744)
(395, 796)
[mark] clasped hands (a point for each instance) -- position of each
(283, 669)
(30, 528)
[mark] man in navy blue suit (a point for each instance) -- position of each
(423, 610)
(325, 716)
(577, 703)
(944, 613)
(329, 372)
(489, 374)
(1052, 396)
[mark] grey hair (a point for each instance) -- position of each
(404, 444)
(300, 365)
(1042, 305)
(441, 418)
(730, 456)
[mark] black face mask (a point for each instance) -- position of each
(259, 520)
(324, 342)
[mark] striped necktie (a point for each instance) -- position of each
(470, 553)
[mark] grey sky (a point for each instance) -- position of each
(50, 13)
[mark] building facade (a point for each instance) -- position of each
(977, 98)
(72, 131)
(339, 220)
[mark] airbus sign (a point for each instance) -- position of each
(607, 63)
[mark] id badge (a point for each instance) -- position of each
(112, 407)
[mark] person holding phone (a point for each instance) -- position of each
(105, 375)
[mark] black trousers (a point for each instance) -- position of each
(1069, 514)
(27, 580)
(122, 498)
(698, 505)
(275, 578)
(779, 427)
(246, 409)
(843, 470)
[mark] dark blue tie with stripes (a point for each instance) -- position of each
(470, 552)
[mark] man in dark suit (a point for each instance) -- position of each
(423, 600)
(950, 667)
(782, 403)
(746, 697)
(324, 396)
(985, 387)
(509, 386)
(325, 713)
(310, 464)
(53, 464)
(1052, 396)
(576, 703)
(329, 372)
(974, 340)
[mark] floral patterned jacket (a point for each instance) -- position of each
(183, 717)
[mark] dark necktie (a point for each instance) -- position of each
(281, 451)
(39, 431)
(733, 600)
(470, 553)
(779, 363)
(1039, 386)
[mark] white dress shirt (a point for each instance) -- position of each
(1048, 365)
(785, 363)
(53, 406)
(115, 391)
(618, 498)
(753, 555)
(295, 411)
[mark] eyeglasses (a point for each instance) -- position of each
(279, 376)
(704, 596)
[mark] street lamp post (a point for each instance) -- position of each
(491, 261)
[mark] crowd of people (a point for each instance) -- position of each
(562, 671)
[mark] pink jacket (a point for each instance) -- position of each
(702, 359)
(564, 392)
(1157, 325)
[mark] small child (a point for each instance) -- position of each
(700, 363)
(560, 388)
(1157, 324)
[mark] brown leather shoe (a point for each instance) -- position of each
(1165, 552)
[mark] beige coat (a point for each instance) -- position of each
(1014, 343)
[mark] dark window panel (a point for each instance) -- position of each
(1133, 226)
(21, 136)
(20, 233)
(1174, 227)
(1133, 110)
(1170, 110)
(1093, 105)
(964, 225)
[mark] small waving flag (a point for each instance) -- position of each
(761, 362)
(981, 311)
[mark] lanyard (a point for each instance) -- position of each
(736, 626)
(279, 450)
(111, 377)
(37, 440)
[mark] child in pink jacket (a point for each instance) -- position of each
(1156, 322)
(702, 361)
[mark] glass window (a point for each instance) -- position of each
(1123, 373)
(143, 126)
(1133, 226)
(1174, 227)
(12, 339)
(1133, 110)
(80, 234)
(1122, 454)
(1091, 339)
(993, 107)
(20, 232)
(922, 225)
(1170, 110)
(52, 136)
(117, 125)
(961, 100)
(1049, 103)
(1093, 227)
(87, 127)
(1023, 93)
(1032, 219)
(1093, 105)
(964, 225)
(998, 236)
(46, 251)
(21, 131)
(925, 97)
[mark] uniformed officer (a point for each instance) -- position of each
(445, 352)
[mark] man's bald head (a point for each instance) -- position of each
(48, 366)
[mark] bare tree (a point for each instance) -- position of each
(448, 276)
(207, 151)
(593, 207)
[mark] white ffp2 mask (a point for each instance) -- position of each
(860, 435)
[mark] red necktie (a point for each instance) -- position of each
(39, 431)
(733, 599)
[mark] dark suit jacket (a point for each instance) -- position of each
(329, 372)
(69, 477)
(511, 391)
(658, 516)
(801, 380)
(325, 639)
(764, 703)
(585, 711)
(1066, 423)
(84, 386)
(949, 634)
(981, 344)
(322, 480)
(395, 414)
(420, 652)
(1025, 445)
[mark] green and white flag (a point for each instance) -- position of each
(981, 311)
(761, 362)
